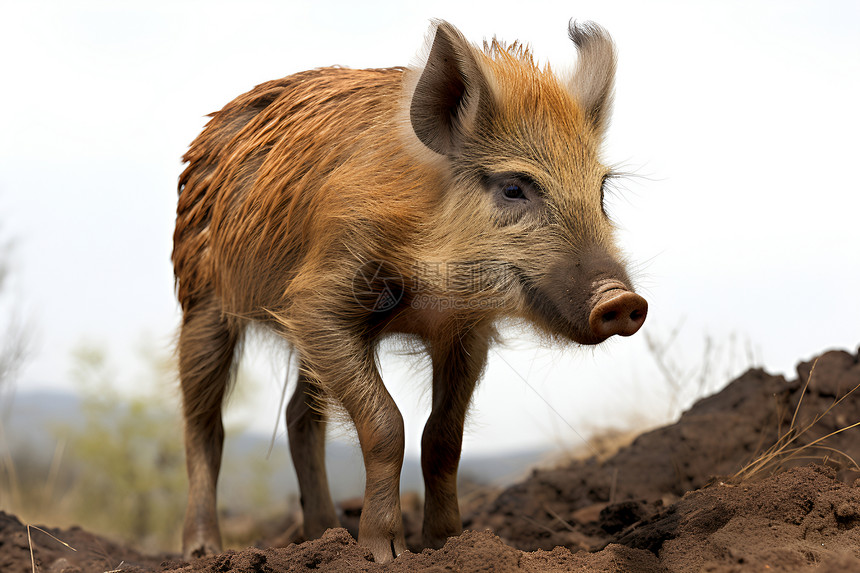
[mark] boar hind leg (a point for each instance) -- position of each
(457, 365)
(354, 381)
(306, 425)
(206, 345)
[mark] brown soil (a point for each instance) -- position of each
(666, 502)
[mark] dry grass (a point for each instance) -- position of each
(687, 382)
(30, 543)
(785, 449)
(610, 441)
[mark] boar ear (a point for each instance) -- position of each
(594, 80)
(447, 93)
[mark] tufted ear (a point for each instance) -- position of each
(448, 92)
(593, 81)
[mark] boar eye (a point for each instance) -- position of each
(606, 185)
(513, 191)
(603, 195)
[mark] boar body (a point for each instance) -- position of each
(340, 206)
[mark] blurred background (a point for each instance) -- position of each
(737, 122)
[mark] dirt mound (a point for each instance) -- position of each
(787, 522)
(586, 504)
(670, 501)
(470, 552)
(51, 551)
(793, 521)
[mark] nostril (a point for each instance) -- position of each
(622, 314)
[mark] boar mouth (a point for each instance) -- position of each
(547, 315)
(586, 312)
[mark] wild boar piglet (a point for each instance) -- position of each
(337, 207)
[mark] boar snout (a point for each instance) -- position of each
(618, 311)
(589, 298)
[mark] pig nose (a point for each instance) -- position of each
(622, 314)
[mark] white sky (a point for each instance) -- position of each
(741, 118)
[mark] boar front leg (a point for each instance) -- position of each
(306, 422)
(347, 371)
(457, 365)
